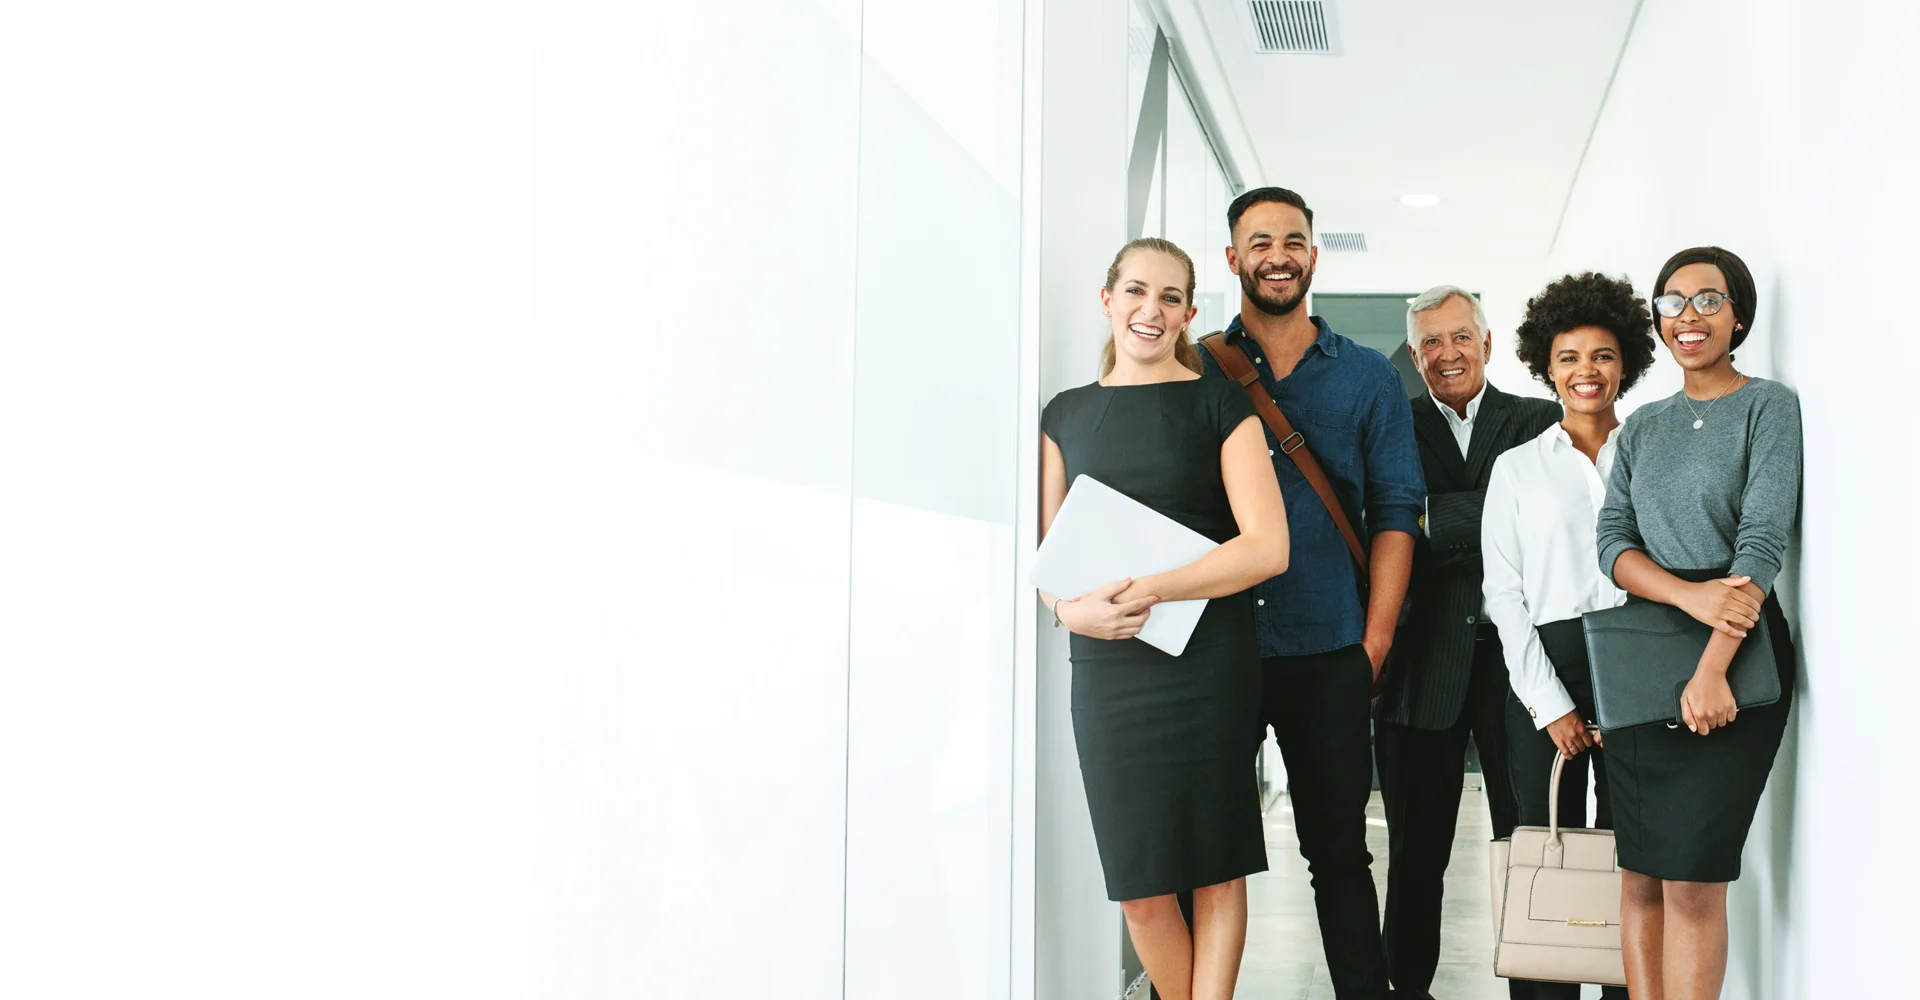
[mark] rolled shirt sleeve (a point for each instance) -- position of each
(1396, 487)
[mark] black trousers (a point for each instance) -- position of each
(1422, 772)
(1530, 763)
(1318, 708)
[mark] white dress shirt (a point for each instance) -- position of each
(1542, 564)
(1463, 426)
(1463, 436)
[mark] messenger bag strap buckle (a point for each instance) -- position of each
(1234, 364)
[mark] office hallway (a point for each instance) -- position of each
(1284, 960)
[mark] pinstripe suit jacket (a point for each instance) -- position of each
(1428, 688)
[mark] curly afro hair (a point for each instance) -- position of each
(1589, 299)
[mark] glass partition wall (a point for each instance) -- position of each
(1177, 188)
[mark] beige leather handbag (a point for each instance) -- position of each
(1556, 901)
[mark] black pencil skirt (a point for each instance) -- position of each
(1683, 803)
(1166, 747)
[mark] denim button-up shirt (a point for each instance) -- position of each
(1349, 404)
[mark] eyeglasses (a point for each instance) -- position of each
(1705, 303)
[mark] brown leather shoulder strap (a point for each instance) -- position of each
(1233, 362)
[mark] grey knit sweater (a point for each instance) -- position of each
(1722, 496)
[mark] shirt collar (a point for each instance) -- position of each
(1328, 344)
(1560, 435)
(1473, 406)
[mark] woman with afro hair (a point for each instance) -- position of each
(1589, 338)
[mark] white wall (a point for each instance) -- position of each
(1772, 140)
(1851, 230)
(261, 283)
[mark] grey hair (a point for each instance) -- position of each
(1434, 298)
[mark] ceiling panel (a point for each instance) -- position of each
(1485, 104)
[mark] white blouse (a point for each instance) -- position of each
(1542, 565)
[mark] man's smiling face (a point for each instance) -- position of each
(1274, 256)
(1451, 351)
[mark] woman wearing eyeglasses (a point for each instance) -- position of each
(1705, 488)
(1588, 337)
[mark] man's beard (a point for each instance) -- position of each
(1267, 301)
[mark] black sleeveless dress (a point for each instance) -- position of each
(1167, 743)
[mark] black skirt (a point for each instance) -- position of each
(1683, 803)
(1167, 749)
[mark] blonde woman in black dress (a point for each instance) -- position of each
(1706, 485)
(1167, 743)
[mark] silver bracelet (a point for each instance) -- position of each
(1056, 611)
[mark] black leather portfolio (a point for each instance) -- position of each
(1643, 654)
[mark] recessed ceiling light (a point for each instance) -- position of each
(1420, 200)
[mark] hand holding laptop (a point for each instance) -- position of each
(1102, 537)
(1106, 612)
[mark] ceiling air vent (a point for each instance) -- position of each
(1343, 242)
(1290, 27)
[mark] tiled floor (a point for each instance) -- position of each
(1284, 960)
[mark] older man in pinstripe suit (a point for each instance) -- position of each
(1452, 682)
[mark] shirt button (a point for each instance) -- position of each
(1261, 601)
(1259, 361)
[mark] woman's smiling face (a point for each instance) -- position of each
(1148, 306)
(1698, 342)
(1585, 369)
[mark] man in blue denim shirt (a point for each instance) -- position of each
(1320, 649)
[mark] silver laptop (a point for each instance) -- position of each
(1102, 535)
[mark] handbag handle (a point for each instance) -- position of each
(1553, 796)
